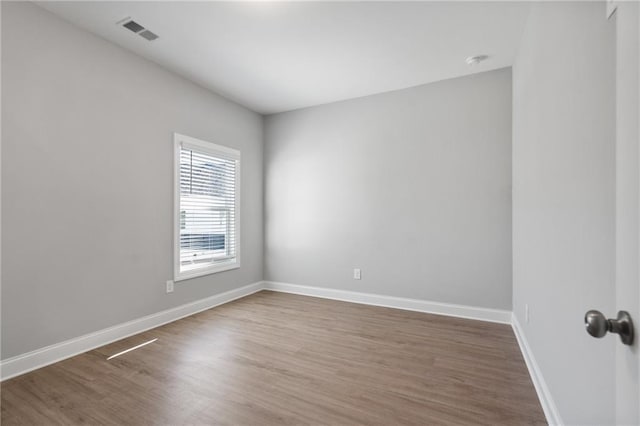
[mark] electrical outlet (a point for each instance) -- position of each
(356, 274)
(169, 286)
(526, 313)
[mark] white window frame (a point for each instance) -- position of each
(215, 150)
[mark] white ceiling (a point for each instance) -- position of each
(279, 56)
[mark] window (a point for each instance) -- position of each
(207, 233)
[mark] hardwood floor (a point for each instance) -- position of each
(274, 358)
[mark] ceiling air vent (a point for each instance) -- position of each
(148, 35)
(132, 25)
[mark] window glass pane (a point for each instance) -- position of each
(207, 209)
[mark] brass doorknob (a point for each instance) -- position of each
(598, 325)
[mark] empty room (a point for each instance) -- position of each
(320, 213)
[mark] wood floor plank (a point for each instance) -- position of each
(274, 358)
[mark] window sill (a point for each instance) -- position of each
(187, 275)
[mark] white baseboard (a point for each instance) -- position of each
(29, 361)
(544, 395)
(461, 311)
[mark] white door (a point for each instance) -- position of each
(627, 18)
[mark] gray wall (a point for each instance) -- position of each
(412, 186)
(87, 181)
(563, 201)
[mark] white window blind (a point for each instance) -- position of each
(207, 219)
